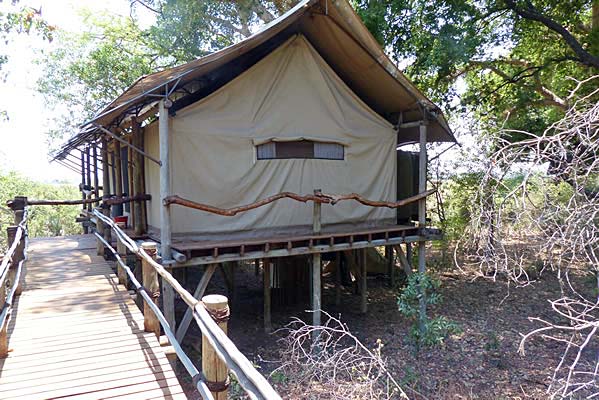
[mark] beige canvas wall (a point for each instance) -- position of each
(291, 93)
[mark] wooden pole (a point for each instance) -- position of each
(338, 278)
(118, 170)
(122, 251)
(266, 280)
(390, 257)
(168, 300)
(96, 178)
(199, 293)
(364, 284)
(316, 268)
(422, 224)
(150, 283)
(88, 173)
(100, 230)
(83, 207)
(137, 177)
(11, 232)
(214, 369)
(18, 206)
(105, 171)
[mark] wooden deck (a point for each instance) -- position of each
(76, 333)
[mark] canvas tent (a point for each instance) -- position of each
(291, 94)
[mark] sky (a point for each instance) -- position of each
(24, 146)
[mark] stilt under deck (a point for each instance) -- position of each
(76, 333)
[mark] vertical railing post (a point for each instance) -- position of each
(11, 233)
(152, 287)
(214, 369)
(122, 251)
(18, 206)
(107, 234)
(100, 230)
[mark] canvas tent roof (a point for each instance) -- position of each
(335, 31)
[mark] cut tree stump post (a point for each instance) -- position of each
(214, 369)
(150, 283)
(122, 251)
(100, 230)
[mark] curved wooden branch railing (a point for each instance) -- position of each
(251, 380)
(6, 265)
(322, 198)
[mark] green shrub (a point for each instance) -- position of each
(437, 329)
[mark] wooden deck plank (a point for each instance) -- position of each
(77, 333)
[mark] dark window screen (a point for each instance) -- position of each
(300, 149)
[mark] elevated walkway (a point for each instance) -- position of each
(76, 333)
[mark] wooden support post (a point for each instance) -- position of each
(118, 173)
(96, 179)
(390, 265)
(151, 285)
(18, 206)
(137, 170)
(364, 283)
(100, 230)
(266, 280)
(85, 225)
(88, 173)
(214, 369)
(168, 300)
(403, 260)
(105, 171)
(338, 278)
(122, 250)
(316, 267)
(422, 225)
(257, 267)
(409, 254)
(198, 294)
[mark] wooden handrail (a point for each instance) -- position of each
(252, 382)
(321, 198)
(109, 201)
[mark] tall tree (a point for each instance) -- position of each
(516, 56)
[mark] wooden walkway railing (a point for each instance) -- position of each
(256, 386)
(10, 273)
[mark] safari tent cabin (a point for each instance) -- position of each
(310, 102)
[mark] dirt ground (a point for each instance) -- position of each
(482, 362)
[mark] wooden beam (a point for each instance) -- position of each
(198, 294)
(422, 224)
(296, 251)
(126, 143)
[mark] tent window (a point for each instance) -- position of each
(300, 149)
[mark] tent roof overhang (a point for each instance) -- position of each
(337, 33)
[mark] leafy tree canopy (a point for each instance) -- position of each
(515, 56)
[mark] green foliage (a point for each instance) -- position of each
(459, 191)
(43, 220)
(88, 70)
(437, 329)
(22, 20)
(517, 70)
